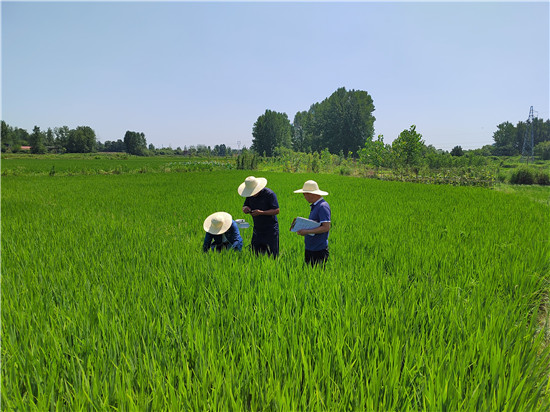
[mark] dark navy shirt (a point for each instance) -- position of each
(232, 236)
(265, 227)
(320, 212)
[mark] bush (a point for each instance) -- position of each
(522, 176)
(543, 150)
(542, 178)
(345, 170)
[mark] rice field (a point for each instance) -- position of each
(433, 298)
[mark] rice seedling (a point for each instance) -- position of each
(429, 301)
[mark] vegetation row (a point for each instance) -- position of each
(433, 298)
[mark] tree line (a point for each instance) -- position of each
(509, 138)
(83, 139)
(342, 124)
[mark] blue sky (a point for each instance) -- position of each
(188, 73)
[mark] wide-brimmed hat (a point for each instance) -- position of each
(311, 186)
(251, 186)
(217, 223)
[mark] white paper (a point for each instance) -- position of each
(303, 223)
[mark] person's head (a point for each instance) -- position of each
(311, 191)
(217, 223)
(312, 198)
(251, 186)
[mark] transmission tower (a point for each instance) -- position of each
(529, 139)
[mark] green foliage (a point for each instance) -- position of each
(341, 122)
(542, 178)
(523, 176)
(36, 140)
(408, 147)
(81, 140)
(108, 303)
(509, 138)
(247, 160)
(543, 150)
(375, 153)
(457, 151)
(271, 130)
(529, 176)
(135, 143)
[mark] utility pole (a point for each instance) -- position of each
(529, 139)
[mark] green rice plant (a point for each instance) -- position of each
(430, 299)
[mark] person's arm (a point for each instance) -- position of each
(325, 227)
(258, 212)
(207, 242)
(246, 207)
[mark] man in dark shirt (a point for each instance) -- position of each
(316, 240)
(222, 233)
(261, 203)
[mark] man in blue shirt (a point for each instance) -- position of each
(316, 239)
(222, 233)
(261, 203)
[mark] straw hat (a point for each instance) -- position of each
(311, 186)
(217, 223)
(251, 186)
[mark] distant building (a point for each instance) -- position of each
(27, 148)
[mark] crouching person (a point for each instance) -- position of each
(222, 233)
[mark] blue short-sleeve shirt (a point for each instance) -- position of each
(320, 212)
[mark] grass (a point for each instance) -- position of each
(536, 193)
(430, 299)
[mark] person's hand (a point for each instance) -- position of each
(256, 212)
(246, 209)
(302, 232)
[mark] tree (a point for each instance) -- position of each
(49, 141)
(301, 132)
(271, 130)
(374, 153)
(20, 137)
(61, 140)
(346, 120)
(7, 137)
(135, 143)
(408, 147)
(457, 151)
(505, 140)
(117, 146)
(219, 150)
(543, 150)
(341, 122)
(37, 141)
(81, 140)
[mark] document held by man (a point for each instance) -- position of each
(300, 223)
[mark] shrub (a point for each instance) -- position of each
(345, 170)
(542, 178)
(522, 176)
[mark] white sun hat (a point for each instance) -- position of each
(217, 223)
(311, 186)
(251, 186)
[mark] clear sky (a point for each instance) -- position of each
(188, 73)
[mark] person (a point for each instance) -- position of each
(261, 203)
(222, 233)
(316, 246)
